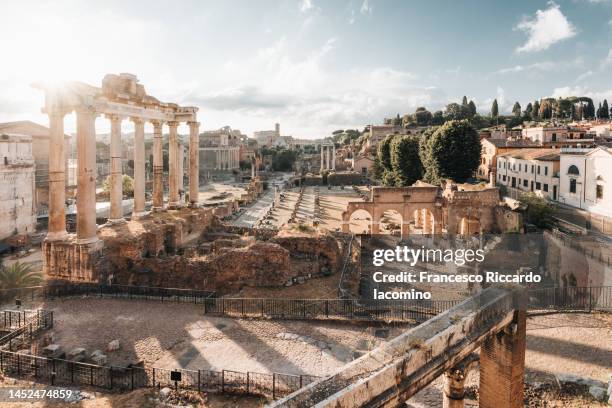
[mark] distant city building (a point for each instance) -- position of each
(530, 170)
(267, 137)
(552, 134)
(39, 135)
(491, 148)
(586, 175)
(17, 206)
(221, 149)
(363, 164)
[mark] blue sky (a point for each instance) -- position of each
(312, 65)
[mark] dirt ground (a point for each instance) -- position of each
(171, 335)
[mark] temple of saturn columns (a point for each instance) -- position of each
(328, 157)
(119, 98)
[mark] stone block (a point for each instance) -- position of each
(113, 345)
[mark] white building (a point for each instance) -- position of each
(17, 208)
(586, 179)
(552, 134)
(530, 170)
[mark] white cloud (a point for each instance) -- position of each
(565, 91)
(306, 5)
(584, 75)
(275, 85)
(546, 28)
(607, 61)
(610, 23)
(366, 7)
(352, 18)
(485, 106)
(543, 66)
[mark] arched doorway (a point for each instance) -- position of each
(423, 222)
(391, 223)
(360, 222)
(469, 225)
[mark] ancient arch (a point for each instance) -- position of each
(360, 221)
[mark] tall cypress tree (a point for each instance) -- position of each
(465, 101)
(605, 111)
(494, 109)
(516, 109)
(535, 115)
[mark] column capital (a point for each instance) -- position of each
(113, 117)
(193, 123)
(137, 120)
(156, 122)
(86, 110)
(173, 123)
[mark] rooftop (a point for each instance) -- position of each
(533, 154)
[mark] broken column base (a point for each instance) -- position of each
(69, 259)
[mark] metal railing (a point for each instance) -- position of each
(70, 373)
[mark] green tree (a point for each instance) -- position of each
(384, 152)
(454, 111)
(494, 109)
(438, 118)
(472, 108)
(405, 160)
(452, 151)
(422, 117)
(535, 114)
(283, 159)
(538, 211)
(516, 109)
(19, 275)
(464, 102)
(127, 184)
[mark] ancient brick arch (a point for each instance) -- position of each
(431, 209)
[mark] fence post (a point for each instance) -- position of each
(91, 376)
(590, 299)
(18, 365)
(53, 372)
(326, 310)
(110, 373)
(242, 307)
(261, 304)
(132, 377)
(199, 381)
(72, 372)
(247, 384)
(222, 380)
(153, 377)
(273, 385)
(301, 381)
(35, 368)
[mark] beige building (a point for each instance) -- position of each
(40, 151)
(530, 170)
(17, 209)
(491, 148)
(552, 134)
(363, 164)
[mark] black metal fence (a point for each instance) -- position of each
(70, 373)
(20, 328)
(571, 298)
(107, 291)
(334, 309)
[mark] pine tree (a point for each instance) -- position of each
(605, 111)
(494, 109)
(472, 107)
(516, 109)
(465, 101)
(535, 114)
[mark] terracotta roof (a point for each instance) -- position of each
(520, 143)
(533, 154)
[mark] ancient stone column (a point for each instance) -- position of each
(333, 158)
(86, 175)
(139, 169)
(328, 158)
(502, 364)
(322, 158)
(173, 199)
(453, 393)
(158, 167)
(57, 178)
(194, 162)
(252, 167)
(116, 174)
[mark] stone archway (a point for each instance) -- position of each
(424, 221)
(391, 222)
(360, 222)
(469, 225)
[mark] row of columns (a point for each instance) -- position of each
(86, 171)
(328, 161)
(226, 159)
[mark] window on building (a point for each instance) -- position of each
(538, 185)
(525, 183)
(546, 170)
(545, 187)
(572, 185)
(504, 177)
(532, 169)
(573, 170)
(538, 169)
(599, 191)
